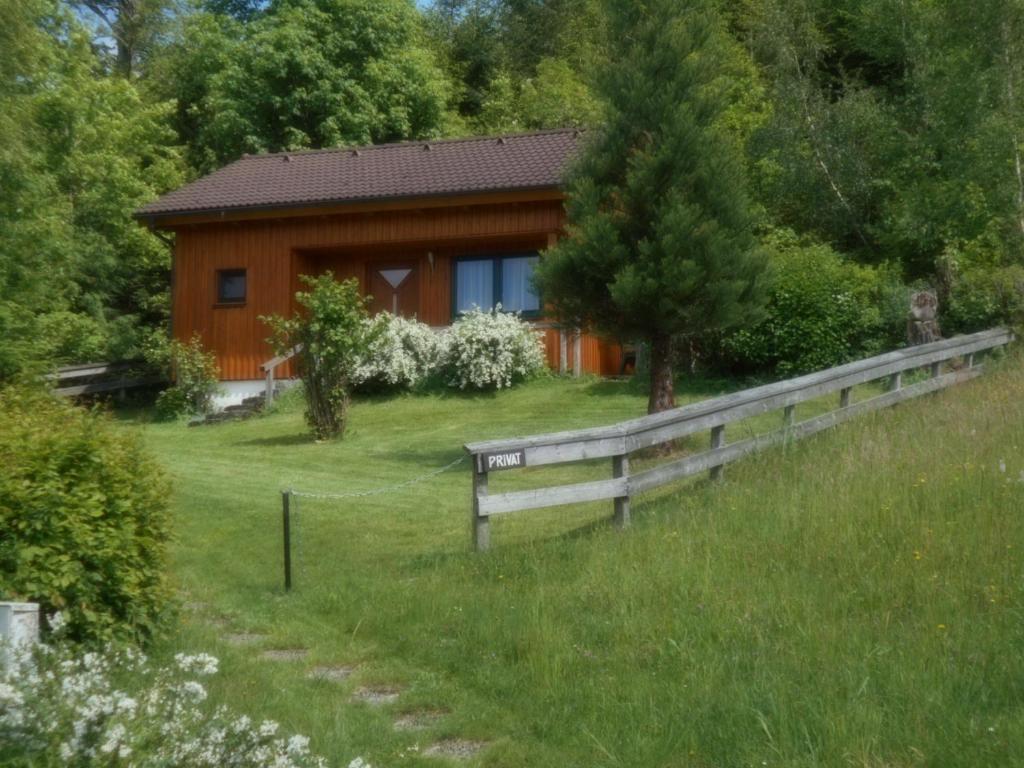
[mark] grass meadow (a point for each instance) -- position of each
(854, 599)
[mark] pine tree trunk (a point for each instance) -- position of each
(663, 397)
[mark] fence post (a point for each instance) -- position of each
(481, 523)
(936, 369)
(788, 416)
(269, 396)
(844, 397)
(970, 360)
(896, 381)
(717, 441)
(620, 468)
(286, 520)
(19, 626)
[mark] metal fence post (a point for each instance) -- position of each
(286, 520)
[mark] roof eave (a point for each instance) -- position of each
(154, 220)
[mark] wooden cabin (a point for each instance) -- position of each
(429, 229)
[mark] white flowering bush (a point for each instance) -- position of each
(491, 350)
(61, 707)
(402, 355)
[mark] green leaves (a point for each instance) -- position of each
(84, 513)
(309, 74)
(79, 278)
(334, 337)
(823, 310)
(660, 234)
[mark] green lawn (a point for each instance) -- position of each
(854, 599)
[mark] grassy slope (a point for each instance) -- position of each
(854, 599)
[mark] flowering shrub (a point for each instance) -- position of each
(491, 350)
(57, 708)
(402, 355)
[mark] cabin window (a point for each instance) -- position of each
(486, 281)
(231, 286)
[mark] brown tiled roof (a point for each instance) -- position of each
(381, 172)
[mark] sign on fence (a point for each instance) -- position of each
(491, 462)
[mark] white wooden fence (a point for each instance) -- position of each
(620, 440)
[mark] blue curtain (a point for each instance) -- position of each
(517, 293)
(474, 284)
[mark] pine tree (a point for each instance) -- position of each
(660, 244)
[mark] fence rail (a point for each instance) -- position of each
(270, 367)
(96, 378)
(620, 440)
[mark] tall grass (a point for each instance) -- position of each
(853, 599)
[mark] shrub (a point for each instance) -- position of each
(194, 372)
(84, 515)
(68, 337)
(982, 298)
(402, 355)
(491, 350)
(116, 709)
(334, 338)
(823, 310)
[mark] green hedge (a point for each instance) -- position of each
(84, 517)
(823, 310)
(984, 297)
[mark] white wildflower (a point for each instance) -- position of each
(192, 690)
(197, 664)
(57, 622)
(91, 721)
(113, 740)
(268, 728)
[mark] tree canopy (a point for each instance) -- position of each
(887, 130)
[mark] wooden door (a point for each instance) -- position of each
(395, 287)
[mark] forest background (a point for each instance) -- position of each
(882, 140)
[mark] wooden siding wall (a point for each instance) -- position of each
(275, 251)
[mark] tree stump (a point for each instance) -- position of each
(923, 324)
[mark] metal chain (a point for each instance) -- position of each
(385, 489)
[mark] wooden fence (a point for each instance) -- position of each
(620, 440)
(99, 378)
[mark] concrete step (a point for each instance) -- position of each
(231, 413)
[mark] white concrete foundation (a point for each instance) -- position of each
(234, 392)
